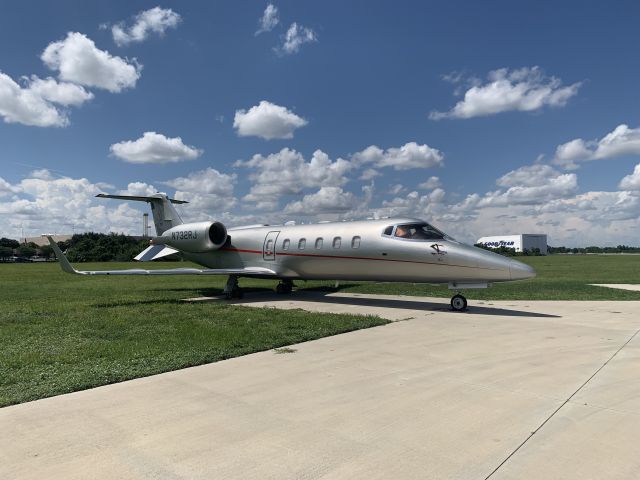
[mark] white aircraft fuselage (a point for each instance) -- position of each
(359, 250)
(385, 250)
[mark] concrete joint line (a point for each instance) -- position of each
(562, 405)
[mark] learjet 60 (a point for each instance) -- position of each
(384, 250)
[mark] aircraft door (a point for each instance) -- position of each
(269, 246)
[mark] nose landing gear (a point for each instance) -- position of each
(458, 303)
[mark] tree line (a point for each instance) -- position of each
(82, 247)
(511, 252)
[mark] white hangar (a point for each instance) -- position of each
(521, 242)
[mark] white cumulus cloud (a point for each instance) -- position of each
(287, 172)
(140, 189)
(62, 205)
(26, 106)
(6, 188)
(156, 20)
(632, 181)
(325, 200)
(408, 156)
(525, 89)
(296, 36)
(78, 60)
(269, 19)
(207, 181)
(154, 147)
(209, 193)
(529, 185)
(267, 120)
(62, 93)
(430, 184)
(618, 143)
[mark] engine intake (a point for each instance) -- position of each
(195, 237)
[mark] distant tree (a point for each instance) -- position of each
(26, 251)
(98, 247)
(8, 242)
(5, 252)
(45, 251)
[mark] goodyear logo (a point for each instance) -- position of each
(184, 235)
(501, 243)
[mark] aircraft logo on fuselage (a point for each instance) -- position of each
(438, 249)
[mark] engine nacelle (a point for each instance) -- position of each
(194, 237)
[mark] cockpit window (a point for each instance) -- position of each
(418, 231)
(388, 230)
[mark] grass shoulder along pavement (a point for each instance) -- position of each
(61, 333)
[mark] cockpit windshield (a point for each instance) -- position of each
(418, 231)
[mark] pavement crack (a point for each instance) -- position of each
(567, 400)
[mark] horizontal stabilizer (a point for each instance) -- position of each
(165, 216)
(154, 252)
(139, 198)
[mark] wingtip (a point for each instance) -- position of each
(62, 259)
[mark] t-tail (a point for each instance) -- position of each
(164, 214)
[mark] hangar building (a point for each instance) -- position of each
(523, 241)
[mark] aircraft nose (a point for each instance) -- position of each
(520, 271)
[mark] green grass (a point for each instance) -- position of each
(60, 333)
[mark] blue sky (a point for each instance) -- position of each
(526, 114)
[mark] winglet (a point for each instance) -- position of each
(64, 263)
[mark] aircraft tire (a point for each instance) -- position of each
(284, 288)
(233, 294)
(458, 303)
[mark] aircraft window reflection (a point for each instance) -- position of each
(388, 230)
(355, 242)
(336, 242)
(418, 231)
(302, 243)
(269, 247)
(285, 244)
(318, 243)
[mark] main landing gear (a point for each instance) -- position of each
(231, 289)
(284, 287)
(458, 303)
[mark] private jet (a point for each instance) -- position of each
(381, 250)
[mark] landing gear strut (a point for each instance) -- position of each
(231, 289)
(458, 303)
(284, 287)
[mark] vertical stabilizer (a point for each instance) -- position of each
(164, 213)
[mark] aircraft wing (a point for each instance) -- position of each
(247, 271)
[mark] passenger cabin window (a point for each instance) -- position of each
(336, 242)
(355, 242)
(388, 230)
(285, 244)
(302, 243)
(318, 243)
(269, 247)
(418, 231)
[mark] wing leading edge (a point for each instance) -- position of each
(246, 272)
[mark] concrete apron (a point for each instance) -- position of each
(438, 395)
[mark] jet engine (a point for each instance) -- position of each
(194, 237)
